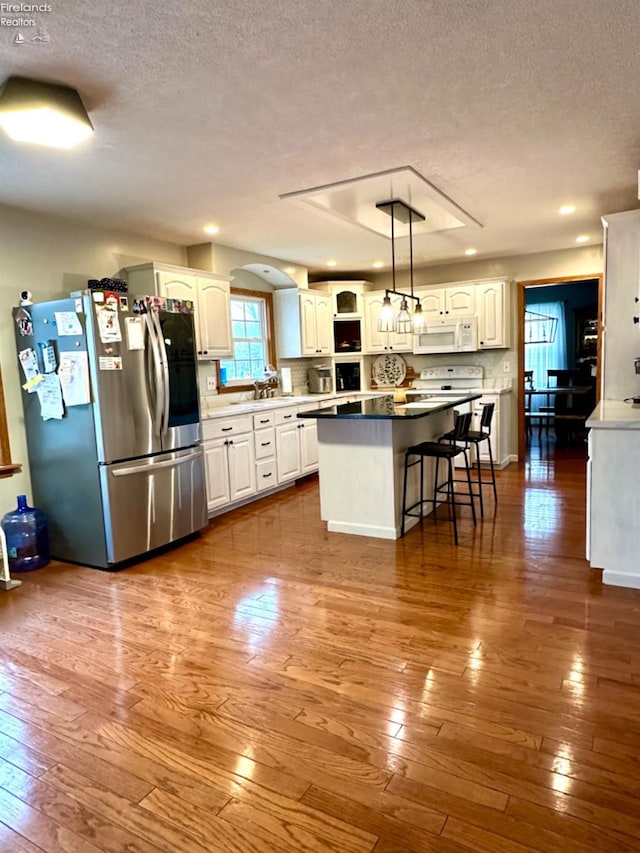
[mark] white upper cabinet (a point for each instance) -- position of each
(374, 340)
(215, 317)
(346, 297)
(209, 292)
(441, 304)
(493, 325)
(303, 322)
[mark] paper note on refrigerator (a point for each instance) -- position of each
(134, 328)
(29, 362)
(67, 323)
(50, 396)
(108, 323)
(74, 378)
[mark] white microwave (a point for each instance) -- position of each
(454, 334)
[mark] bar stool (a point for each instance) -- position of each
(476, 437)
(438, 450)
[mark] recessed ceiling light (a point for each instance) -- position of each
(210, 229)
(377, 265)
(332, 263)
(567, 209)
(582, 239)
(470, 251)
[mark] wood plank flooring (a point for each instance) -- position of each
(272, 687)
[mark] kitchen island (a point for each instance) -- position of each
(361, 448)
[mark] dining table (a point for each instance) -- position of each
(565, 415)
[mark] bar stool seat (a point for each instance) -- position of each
(438, 450)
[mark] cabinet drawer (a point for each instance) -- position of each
(265, 443)
(221, 427)
(263, 420)
(266, 474)
(286, 416)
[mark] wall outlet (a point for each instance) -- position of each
(506, 367)
(211, 383)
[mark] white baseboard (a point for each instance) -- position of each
(364, 529)
(620, 579)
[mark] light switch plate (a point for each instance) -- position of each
(211, 383)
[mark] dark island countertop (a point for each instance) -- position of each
(386, 408)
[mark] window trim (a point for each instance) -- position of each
(270, 330)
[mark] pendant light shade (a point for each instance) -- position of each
(403, 320)
(405, 323)
(385, 320)
(43, 113)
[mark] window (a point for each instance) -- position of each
(543, 350)
(251, 326)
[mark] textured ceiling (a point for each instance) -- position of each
(209, 111)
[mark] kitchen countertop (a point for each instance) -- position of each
(250, 406)
(385, 408)
(614, 414)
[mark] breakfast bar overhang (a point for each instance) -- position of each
(361, 447)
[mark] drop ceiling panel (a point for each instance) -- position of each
(355, 200)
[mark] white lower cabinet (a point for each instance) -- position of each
(308, 446)
(264, 439)
(247, 455)
(297, 449)
(288, 451)
(230, 460)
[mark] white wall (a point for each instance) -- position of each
(579, 262)
(50, 257)
(229, 261)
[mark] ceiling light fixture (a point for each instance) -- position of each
(405, 322)
(471, 251)
(582, 239)
(377, 265)
(566, 209)
(332, 263)
(210, 229)
(43, 113)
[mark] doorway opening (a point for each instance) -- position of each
(559, 362)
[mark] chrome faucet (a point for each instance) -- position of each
(265, 388)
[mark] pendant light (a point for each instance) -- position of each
(405, 322)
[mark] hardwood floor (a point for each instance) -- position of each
(272, 687)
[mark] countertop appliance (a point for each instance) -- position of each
(455, 334)
(319, 379)
(113, 423)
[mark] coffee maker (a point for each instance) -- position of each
(319, 379)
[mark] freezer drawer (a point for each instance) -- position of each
(151, 502)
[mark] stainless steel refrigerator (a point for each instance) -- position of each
(112, 415)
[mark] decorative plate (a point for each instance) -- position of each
(389, 369)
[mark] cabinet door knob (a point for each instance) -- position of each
(206, 352)
(636, 319)
(230, 441)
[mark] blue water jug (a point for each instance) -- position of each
(27, 537)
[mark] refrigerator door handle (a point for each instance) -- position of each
(164, 360)
(157, 369)
(151, 467)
